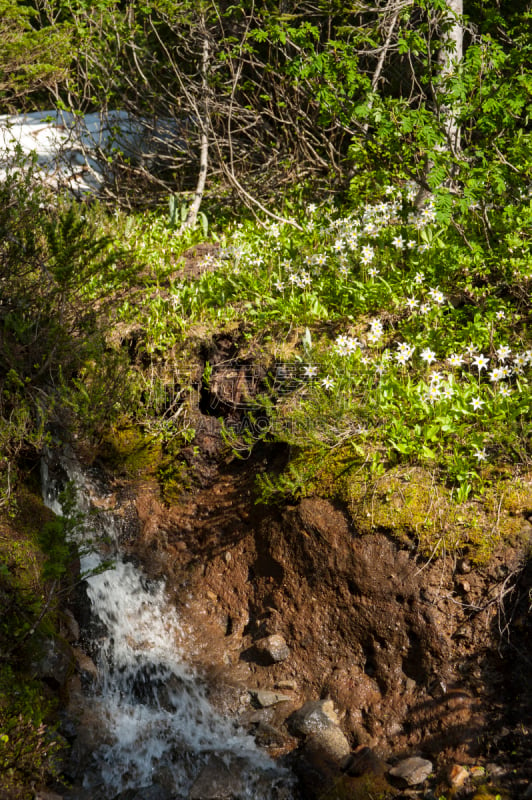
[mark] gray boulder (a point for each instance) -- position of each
(216, 781)
(412, 771)
(273, 648)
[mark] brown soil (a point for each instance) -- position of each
(419, 657)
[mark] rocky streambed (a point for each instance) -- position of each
(363, 668)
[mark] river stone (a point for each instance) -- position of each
(412, 771)
(71, 626)
(267, 735)
(265, 698)
(458, 775)
(313, 717)
(329, 744)
(56, 662)
(273, 647)
(216, 782)
(85, 665)
(153, 792)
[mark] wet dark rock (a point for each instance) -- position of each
(273, 648)
(55, 662)
(153, 792)
(70, 625)
(43, 794)
(267, 735)
(412, 771)
(216, 781)
(85, 665)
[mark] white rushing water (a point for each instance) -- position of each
(155, 723)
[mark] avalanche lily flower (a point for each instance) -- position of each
(433, 393)
(367, 254)
(455, 360)
(437, 296)
(447, 392)
(480, 454)
(503, 352)
(428, 355)
(477, 403)
(481, 362)
(404, 353)
(520, 361)
(309, 371)
(327, 383)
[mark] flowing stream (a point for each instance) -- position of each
(154, 726)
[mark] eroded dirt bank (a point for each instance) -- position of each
(419, 657)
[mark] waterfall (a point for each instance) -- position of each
(154, 722)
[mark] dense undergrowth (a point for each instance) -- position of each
(387, 342)
(392, 344)
(34, 558)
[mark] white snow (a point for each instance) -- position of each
(72, 151)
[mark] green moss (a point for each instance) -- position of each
(416, 508)
(28, 747)
(516, 495)
(366, 787)
(490, 793)
(129, 449)
(174, 479)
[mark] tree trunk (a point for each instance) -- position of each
(192, 216)
(450, 57)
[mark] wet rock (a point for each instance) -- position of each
(72, 631)
(216, 782)
(85, 665)
(43, 794)
(313, 717)
(267, 735)
(153, 792)
(527, 794)
(55, 663)
(412, 771)
(273, 648)
(265, 698)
